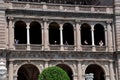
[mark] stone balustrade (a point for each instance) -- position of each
(59, 7)
(38, 47)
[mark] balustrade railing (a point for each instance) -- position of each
(61, 7)
(38, 47)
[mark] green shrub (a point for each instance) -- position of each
(53, 73)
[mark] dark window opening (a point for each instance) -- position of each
(99, 34)
(54, 33)
(68, 34)
(97, 71)
(86, 34)
(35, 33)
(20, 33)
(67, 69)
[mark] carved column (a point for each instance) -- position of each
(92, 34)
(28, 36)
(112, 75)
(110, 41)
(61, 36)
(79, 71)
(78, 35)
(46, 37)
(11, 33)
(10, 77)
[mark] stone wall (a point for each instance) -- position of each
(117, 23)
(2, 26)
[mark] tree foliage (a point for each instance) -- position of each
(53, 73)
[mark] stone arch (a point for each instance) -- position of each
(68, 33)
(54, 33)
(28, 71)
(68, 70)
(97, 70)
(20, 32)
(99, 34)
(26, 63)
(35, 33)
(86, 34)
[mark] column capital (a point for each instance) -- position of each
(10, 18)
(109, 22)
(28, 25)
(45, 19)
(77, 20)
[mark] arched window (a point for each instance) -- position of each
(20, 32)
(99, 34)
(54, 33)
(68, 34)
(86, 34)
(35, 33)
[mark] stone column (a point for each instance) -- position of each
(46, 63)
(28, 36)
(78, 36)
(61, 36)
(43, 37)
(110, 41)
(93, 42)
(112, 75)
(10, 77)
(11, 33)
(75, 37)
(46, 35)
(79, 71)
(106, 39)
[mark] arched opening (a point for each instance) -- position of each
(97, 71)
(67, 69)
(54, 33)
(28, 72)
(20, 32)
(99, 34)
(35, 33)
(86, 34)
(68, 34)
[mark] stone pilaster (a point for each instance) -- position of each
(46, 35)
(10, 33)
(3, 26)
(117, 22)
(10, 77)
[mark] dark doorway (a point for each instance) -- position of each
(86, 34)
(35, 33)
(68, 34)
(99, 34)
(97, 71)
(54, 33)
(20, 32)
(67, 69)
(28, 72)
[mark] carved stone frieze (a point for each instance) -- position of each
(41, 55)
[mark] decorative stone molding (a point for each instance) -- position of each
(3, 70)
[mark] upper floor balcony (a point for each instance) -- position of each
(44, 6)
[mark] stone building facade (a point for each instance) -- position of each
(80, 36)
